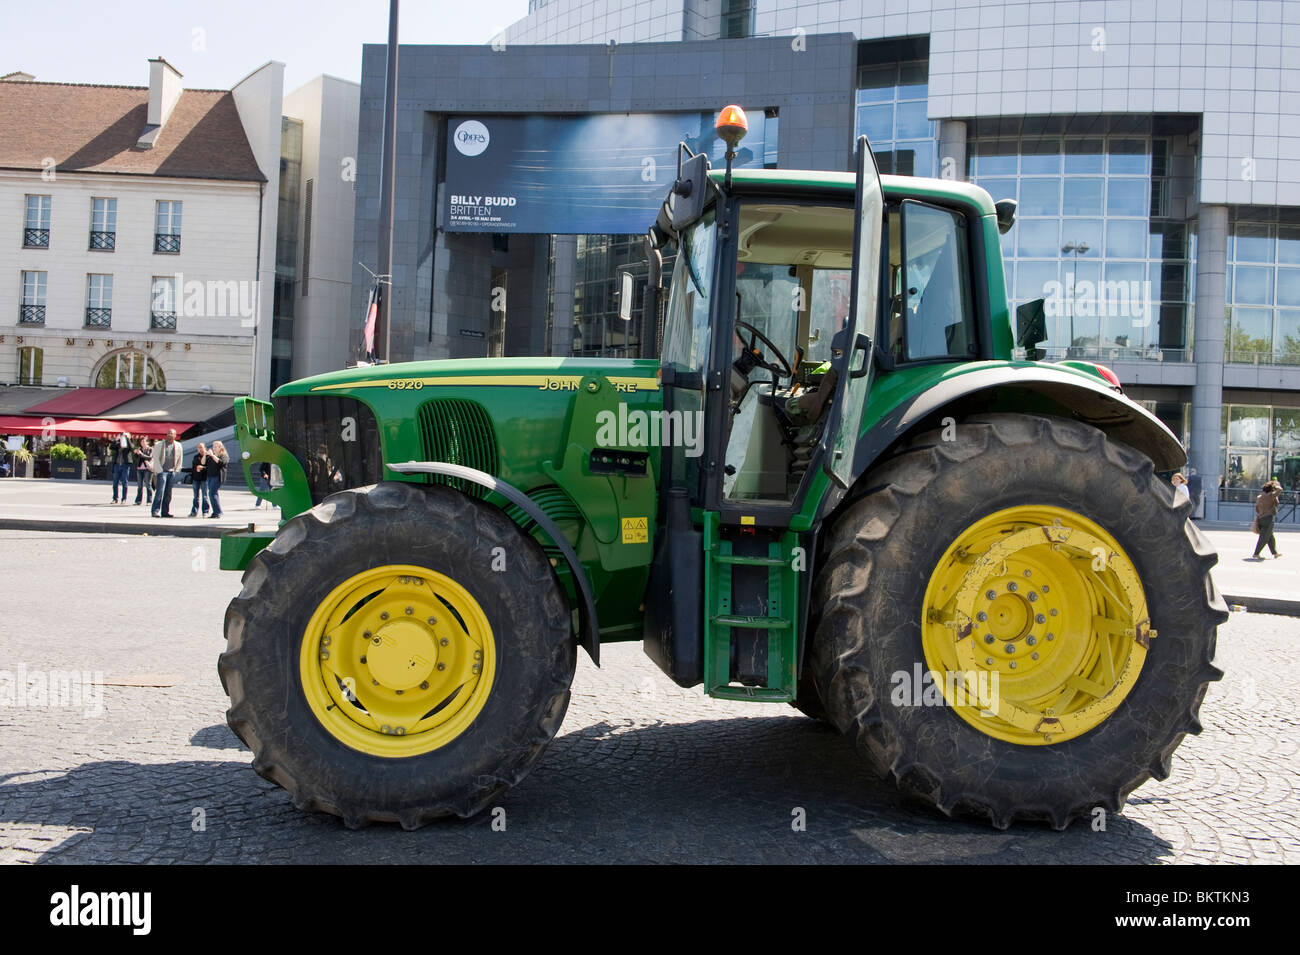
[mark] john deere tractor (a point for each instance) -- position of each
(836, 486)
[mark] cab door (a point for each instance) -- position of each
(854, 342)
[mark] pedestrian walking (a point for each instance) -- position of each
(166, 465)
(1181, 490)
(143, 476)
(199, 478)
(119, 462)
(218, 460)
(1266, 505)
(263, 480)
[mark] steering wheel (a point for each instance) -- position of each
(784, 371)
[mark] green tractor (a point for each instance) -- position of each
(836, 487)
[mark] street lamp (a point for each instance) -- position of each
(1076, 248)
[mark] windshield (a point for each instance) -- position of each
(686, 337)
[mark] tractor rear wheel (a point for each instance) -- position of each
(1018, 622)
(398, 653)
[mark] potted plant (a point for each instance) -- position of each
(67, 462)
(20, 460)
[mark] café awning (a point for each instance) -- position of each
(87, 402)
(88, 427)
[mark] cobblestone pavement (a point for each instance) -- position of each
(641, 771)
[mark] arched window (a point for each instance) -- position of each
(128, 368)
(30, 362)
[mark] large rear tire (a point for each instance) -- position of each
(1036, 558)
(398, 653)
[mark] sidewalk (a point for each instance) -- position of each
(1263, 586)
(87, 507)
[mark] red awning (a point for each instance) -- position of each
(88, 428)
(85, 401)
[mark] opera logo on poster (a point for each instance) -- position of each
(471, 137)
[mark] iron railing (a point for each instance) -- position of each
(99, 318)
(36, 238)
(31, 314)
(165, 320)
(164, 242)
(103, 241)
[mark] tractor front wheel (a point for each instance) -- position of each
(398, 653)
(1016, 622)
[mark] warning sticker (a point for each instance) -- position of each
(636, 530)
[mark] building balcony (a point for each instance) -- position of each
(36, 238)
(169, 244)
(103, 241)
(99, 318)
(163, 321)
(31, 314)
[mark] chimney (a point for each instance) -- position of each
(164, 91)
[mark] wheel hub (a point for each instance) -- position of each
(402, 655)
(1041, 618)
(397, 660)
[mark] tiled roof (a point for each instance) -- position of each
(86, 128)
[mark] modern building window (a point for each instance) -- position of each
(129, 368)
(31, 363)
(167, 232)
(1093, 234)
(1263, 286)
(103, 225)
(1258, 443)
(891, 112)
(737, 19)
(598, 330)
(99, 301)
(36, 225)
(162, 303)
(31, 311)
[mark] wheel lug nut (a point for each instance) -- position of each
(1013, 664)
(475, 668)
(988, 661)
(1033, 656)
(443, 642)
(1031, 639)
(988, 638)
(1053, 611)
(991, 594)
(981, 616)
(1039, 618)
(1010, 648)
(375, 641)
(1032, 596)
(366, 634)
(478, 654)
(363, 659)
(425, 684)
(374, 683)
(1046, 588)
(1051, 636)
(1029, 573)
(1013, 586)
(400, 692)
(384, 615)
(442, 666)
(410, 610)
(432, 621)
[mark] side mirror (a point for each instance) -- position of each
(687, 197)
(1006, 210)
(625, 297)
(1031, 328)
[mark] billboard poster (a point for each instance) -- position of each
(593, 174)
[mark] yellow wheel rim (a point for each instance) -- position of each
(397, 661)
(1035, 625)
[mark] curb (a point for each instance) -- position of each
(157, 528)
(1287, 608)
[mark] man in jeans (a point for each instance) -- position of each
(1265, 513)
(120, 455)
(166, 463)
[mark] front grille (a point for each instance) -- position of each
(455, 431)
(335, 439)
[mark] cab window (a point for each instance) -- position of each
(931, 313)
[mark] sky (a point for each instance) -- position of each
(216, 44)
